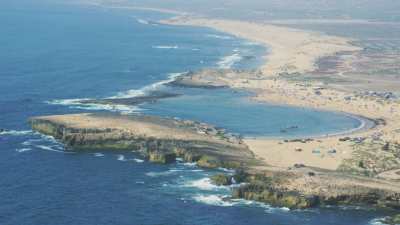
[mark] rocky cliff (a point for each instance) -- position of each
(160, 140)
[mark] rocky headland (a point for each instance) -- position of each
(162, 140)
(158, 139)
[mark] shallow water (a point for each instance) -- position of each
(55, 51)
(233, 110)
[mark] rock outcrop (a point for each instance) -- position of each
(161, 140)
(295, 190)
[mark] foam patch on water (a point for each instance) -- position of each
(229, 61)
(193, 164)
(266, 207)
(121, 158)
(160, 174)
(216, 200)
(23, 149)
(127, 109)
(149, 88)
(138, 160)
(77, 104)
(203, 184)
(142, 21)
(50, 148)
(377, 221)
(16, 132)
(166, 47)
(97, 154)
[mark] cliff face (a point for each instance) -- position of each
(209, 151)
(288, 189)
(163, 140)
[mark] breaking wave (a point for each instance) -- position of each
(149, 88)
(165, 46)
(204, 184)
(216, 200)
(51, 148)
(16, 132)
(128, 109)
(229, 61)
(121, 158)
(377, 221)
(23, 149)
(142, 21)
(97, 154)
(77, 104)
(138, 160)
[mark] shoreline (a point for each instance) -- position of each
(295, 56)
(366, 124)
(300, 180)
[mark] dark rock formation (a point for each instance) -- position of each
(163, 157)
(221, 180)
(161, 140)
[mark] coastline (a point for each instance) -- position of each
(308, 180)
(295, 56)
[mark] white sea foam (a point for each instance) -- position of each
(121, 158)
(165, 46)
(77, 104)
(223, 37)
(203, 184)
(49, 148)
(377, 221)
(188, 164)
(147, 89)
(217, 200)
(98, 154)
(142, 21)
(229, 61)
(159, 174)
(23, 149)
(266, 207)
(16, 132)
(138, 160)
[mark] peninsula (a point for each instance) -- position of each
(357, 168)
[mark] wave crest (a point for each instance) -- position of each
(229, 61)
(216, 200)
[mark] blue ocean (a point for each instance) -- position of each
(55, 54)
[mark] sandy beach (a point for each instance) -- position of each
(296, 52)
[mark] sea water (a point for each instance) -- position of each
(52, 53)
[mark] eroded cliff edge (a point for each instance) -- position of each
(162, 140)
(158, 139)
